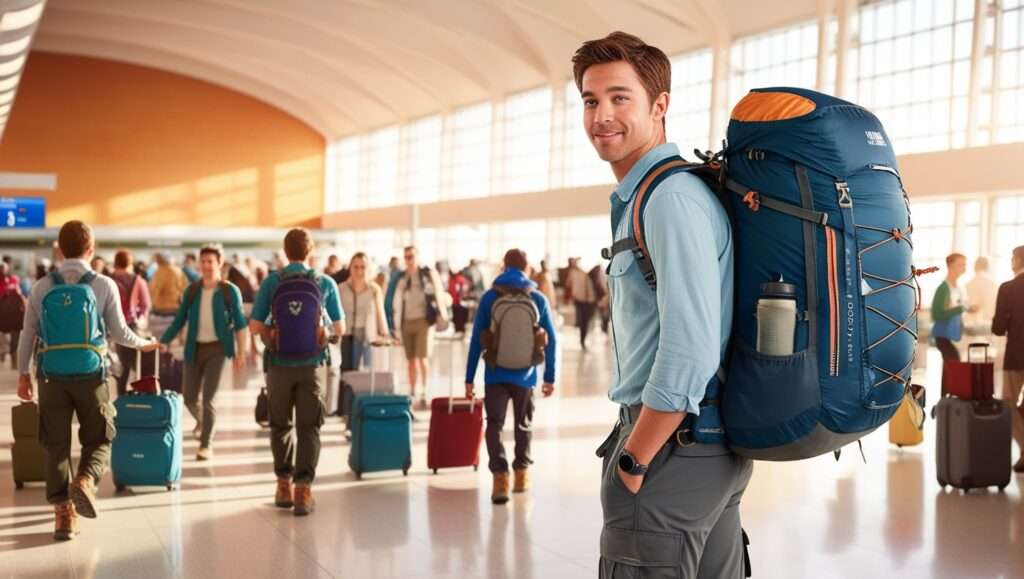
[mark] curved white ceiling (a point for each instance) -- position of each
(347, 66)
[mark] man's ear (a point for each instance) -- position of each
(660, 106)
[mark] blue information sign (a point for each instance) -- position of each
(22, 212)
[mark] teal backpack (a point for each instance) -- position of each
(71, 329)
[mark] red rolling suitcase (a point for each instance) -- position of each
(970, 380)
(456, 427)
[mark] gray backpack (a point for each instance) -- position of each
(515, 340)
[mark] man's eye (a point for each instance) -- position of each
(590, 103)
(619, 99)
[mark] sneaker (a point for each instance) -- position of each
(66, 521)
(205, 453)
(83, 494)
(283, 497)
(522, 482)
(499, 495)
(304, 503)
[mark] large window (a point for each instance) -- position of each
(689, 111)
(471, 152)
(1008, 233)
(1010, 124)
(526, 142)
(380, 168)
(914, 70)
(934, 226)
(420, 161)
(786, 57)
(582, 166)
(346, 177)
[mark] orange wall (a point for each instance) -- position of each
(136, 146)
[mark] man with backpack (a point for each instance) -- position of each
(289, 317)
(514, 332)
(420, 302)
(135, 304)
(669, 342)
(65, 306)
(217, 331)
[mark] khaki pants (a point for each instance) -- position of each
(1012, 383)
(59, 401)
(684, 521)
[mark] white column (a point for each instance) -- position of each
(997, 67)
(844, 36)
(825, 9)
(556, 167)
(720, 57)
(977, 62)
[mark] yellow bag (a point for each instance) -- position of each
(907, 426)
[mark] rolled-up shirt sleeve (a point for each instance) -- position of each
(681, 240)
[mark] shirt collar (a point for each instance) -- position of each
(627, 187)
(295, 267)
(76, 265)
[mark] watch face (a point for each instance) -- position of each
(626, 462)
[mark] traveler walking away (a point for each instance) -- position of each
(217, 331)
(12, 312)
(545, 284)
(166, 287)
(289, 316)
(669, 342)
(460, 291)
(1009, 322)
(514, 332)
(581, 292)
(133, 292)
(72, 312)
(420, 303)
(599, 281)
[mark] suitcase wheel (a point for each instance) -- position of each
(359, 475)
(20, 485)
(476, 467)
(405, 472)
(172, 487)
(1002, 489)
(435, 471)
(119, 487)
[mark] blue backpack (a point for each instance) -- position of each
(71, 330)
(811, 186)
(297, 310)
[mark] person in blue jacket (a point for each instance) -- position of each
(503, 384)
(217, 331)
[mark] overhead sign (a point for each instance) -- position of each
(22, 212)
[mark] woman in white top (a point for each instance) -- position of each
(363, 302)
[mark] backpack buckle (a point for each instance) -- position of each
(606, 253)
(644, 262)
(685, 438)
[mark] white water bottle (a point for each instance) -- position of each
(776, 318)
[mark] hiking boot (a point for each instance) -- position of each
(205, 453)
(283, 498)
(66, 525)
(522, 483)
(499, 495)
(304, 502)
(83, 494)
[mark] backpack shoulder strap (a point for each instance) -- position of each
(225, 290)
(57, 278)
(193, 291)
(87, 278)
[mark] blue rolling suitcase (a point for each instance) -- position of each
(147, 447)
(381, 432)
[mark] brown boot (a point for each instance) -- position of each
(522, 483)
(304, 503)
(283, 498)
(66, 526)
(499, 495)
(83, 494)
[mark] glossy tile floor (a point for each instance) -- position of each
(812, 519)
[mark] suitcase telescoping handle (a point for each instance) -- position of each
(452, 340)
(383, 345)
(138, 363)
(978, 346)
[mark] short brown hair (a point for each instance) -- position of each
(212, 250)
(649, 62)
(951, 258)
(298, 244)
(1018, 252)
(123, 259)
(516, 258)
(74, 239)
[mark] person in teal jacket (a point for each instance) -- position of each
(217, 330)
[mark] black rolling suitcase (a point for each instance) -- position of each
(973, 443)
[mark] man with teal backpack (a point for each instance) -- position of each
(71, 312)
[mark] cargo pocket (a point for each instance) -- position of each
(109, 413)
(770, 400)
(628, 554)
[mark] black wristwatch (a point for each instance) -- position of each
(629, 465)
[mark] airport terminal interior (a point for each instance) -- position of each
(457, 127)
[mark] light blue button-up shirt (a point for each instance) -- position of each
(670, 342)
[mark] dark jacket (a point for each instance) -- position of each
(1009, 321)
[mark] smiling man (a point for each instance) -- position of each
(669, 500)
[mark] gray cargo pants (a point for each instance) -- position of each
(684, 523)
